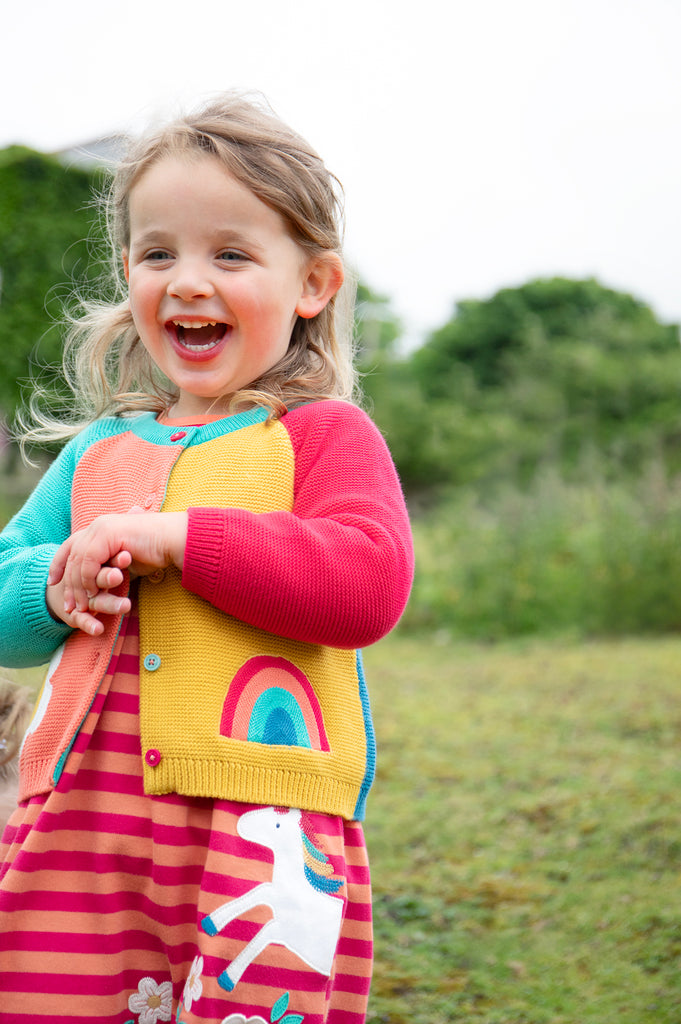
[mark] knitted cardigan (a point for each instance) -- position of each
(298, 552)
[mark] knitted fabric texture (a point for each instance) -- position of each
(298, 551)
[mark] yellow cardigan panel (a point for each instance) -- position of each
(210, 684)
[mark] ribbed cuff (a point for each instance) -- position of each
(32, 597)
(203, 551)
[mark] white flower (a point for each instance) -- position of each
(194, 986)
(151, 1001)
(238, 1018)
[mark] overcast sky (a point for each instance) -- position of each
(480, 143)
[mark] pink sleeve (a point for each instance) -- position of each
(337, 570)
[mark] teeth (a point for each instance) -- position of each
(200, 348)
(188, 325)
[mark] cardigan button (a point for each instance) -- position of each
(153, 757)
(178, 435)
(157, 576)
(152, 662)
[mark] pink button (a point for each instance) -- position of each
(178, 436)
(153, 757)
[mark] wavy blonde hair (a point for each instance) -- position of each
(106, 366)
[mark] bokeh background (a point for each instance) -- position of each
(513, 214)
(480, 144)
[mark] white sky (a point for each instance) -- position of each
(480, 143)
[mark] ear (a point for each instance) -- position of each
(126, 264)
(323, 277)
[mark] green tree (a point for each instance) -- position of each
(555, 371)
(482, 334)
(47, 228)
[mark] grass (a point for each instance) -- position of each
(594, 558)
(524, 832)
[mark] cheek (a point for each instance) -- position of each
(143, 301)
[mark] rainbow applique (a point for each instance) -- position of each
(271, 701)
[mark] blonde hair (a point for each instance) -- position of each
(105, 363)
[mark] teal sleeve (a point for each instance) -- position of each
(29, 634)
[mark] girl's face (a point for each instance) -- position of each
(216, 282)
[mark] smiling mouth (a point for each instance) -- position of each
(199, 336)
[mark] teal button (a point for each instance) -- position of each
(152, 662)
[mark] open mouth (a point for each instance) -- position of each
(199, 336)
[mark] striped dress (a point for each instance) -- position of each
(119, 908)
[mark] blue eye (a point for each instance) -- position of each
(158, 254)
(232, 256)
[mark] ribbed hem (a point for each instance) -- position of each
(35, 777)
(253, 785)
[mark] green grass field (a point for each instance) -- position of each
(525, 832)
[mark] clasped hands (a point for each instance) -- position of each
(90, 564)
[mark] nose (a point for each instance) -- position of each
(190, 281)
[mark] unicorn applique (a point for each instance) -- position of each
(307, 915)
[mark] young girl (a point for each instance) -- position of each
(187, 841)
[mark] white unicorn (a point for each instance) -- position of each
(307, 916)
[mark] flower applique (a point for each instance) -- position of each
(152, 1002)
(238, 1018)
(193, 988)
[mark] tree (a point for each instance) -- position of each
(482, 334)
(554, 371)
(47, 227)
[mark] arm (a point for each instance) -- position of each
(337, 569)
(53, 580)
(28, 543)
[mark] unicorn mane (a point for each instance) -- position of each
(318, 868)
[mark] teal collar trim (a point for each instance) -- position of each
(147, 428)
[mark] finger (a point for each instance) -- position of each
(105, 603)
(56, 570)
(108, 578)
(75, 598)
(122, 560)
(84, 573)
(102, 604)
(69, 603)
(89, 624)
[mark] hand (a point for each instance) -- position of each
(140, 541)
(103, 603)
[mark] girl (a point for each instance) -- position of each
(187, 841)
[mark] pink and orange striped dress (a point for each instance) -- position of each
(125, 897)
(121, 908)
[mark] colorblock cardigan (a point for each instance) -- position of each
(298, 553)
